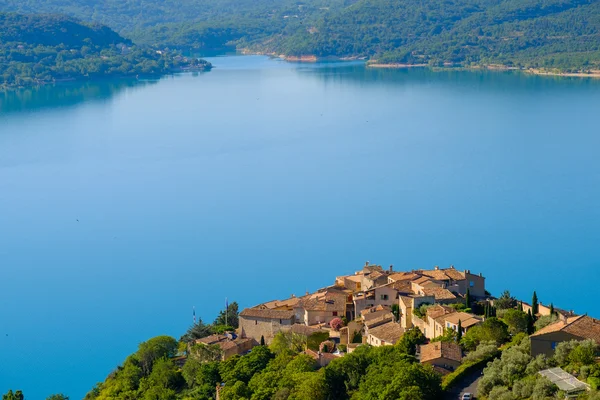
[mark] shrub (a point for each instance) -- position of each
(544, 321)
(485, 350)
(327, 346)
(594, 382)
(464, 369)
(336, 324)
(356, 337)
(342, 348)
(501, 393)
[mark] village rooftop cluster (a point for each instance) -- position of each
(377, 306)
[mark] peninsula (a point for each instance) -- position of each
(42, 49)
(374, 334)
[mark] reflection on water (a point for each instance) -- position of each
(358, 74)
(64, 94)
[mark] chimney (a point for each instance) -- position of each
(391, 269)
(366, 264)
(307, 293)
(437, 268)
(481, 275)
(293, 296)
(452, 267)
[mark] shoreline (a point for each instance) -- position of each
(531, 71)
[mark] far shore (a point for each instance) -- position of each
(494, 67)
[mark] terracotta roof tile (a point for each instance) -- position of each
(326, 301)
(467, 320)
(449, 350)
(439, 293)
(390, 332)
(438, 310)
(267, 313)
(581, 326)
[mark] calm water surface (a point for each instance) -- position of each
(123, 205)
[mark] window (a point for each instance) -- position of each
(280, 322)
(554, 345)
(384, 297)
(255, 322)
(471, 283)
(335, 313)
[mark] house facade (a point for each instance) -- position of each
(580, 327)
(444, 355)
(256, 323)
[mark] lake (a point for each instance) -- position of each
(124, 204)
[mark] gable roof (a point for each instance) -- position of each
(390, 332)
(331, 300)
(267, 313)
(581, 326)
(403, 276)
(437, 310)
(439, 293)
(377, 317)
(449, 350)
(466, 320)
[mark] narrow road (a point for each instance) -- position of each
(466, 385)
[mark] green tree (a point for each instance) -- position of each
(516, 320)
(154, 349)
(230, 316)
(468, 298)
(492, 329)
(18, 395)
(552, 311)
(396, 311)
(459, 332)
(57, 397)
(535, 307)
(505, 301)
(409, 341)
(530, 323)
(197, 331)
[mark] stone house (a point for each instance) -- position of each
(385, 295)
(263, 322)
(428, 326)
(446, 356)
(320, 308)
(407, 304)
(450, 321)
(229, 344)
(384, 335)
(457, 281)
(580, 327)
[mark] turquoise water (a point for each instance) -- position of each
(124, 204)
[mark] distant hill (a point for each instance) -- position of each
(38, 49)
(55, 30)
(547, 34)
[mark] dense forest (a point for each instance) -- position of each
(38, 49)
(546, 34)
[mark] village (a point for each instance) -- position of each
(377, 306)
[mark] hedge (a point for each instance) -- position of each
(465, 368)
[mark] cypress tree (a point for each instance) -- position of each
(468, 298)
(552, 309)
(459, 332)
(521, 306)
(535, 308)
(530, 321)
(486, 310)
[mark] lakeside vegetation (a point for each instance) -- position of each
(549, 35)
(40, 49)
(169, 369)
